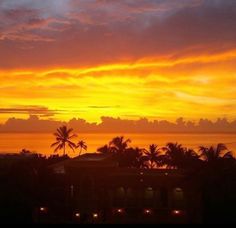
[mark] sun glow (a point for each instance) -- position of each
(147, 88)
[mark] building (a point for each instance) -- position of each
(96, 190)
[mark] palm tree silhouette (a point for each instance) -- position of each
(119, 144)
(132, 158)
(153, 156)
(212, 154)
(177, 156)
(173, 154)
(82, 145)
(63, 138)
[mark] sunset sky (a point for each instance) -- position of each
(159, 59)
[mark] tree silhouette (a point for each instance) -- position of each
(153, 156)
(63, 138)
(213, 154)
(177, 156)
(82, 145)
(133, 158)
(119, 144)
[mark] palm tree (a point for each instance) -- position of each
(173, 155)
(119, 144)
(63, 138)
(82, 145)
(153, 156)
(177, 156)
(213, 154)
(132, 158)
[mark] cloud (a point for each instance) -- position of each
(148, 57)
(82, 33)
(118, 125)
(32, 110)
(103, 107)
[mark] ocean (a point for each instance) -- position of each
(40, 143)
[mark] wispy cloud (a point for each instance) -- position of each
(32, 110)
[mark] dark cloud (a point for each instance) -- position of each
(117, 125)
(91, 32)
(32, 110)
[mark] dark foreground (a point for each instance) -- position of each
(94, 189)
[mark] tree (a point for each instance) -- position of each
(177, 156)
(213, 154)
(119, 144)
(173, 155)
(63, 139)
(153, 156)
(133, 158)
(82, 145)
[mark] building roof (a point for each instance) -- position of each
(86, 160)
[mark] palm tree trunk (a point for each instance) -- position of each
(80, 151)
(64, 147)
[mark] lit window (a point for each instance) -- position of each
(178, 198)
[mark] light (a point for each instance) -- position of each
(141, 180)
(77, 215)
(120, 210)
(147, 211)
(166, 174)
(141, 173)
(178, 189)
(42, 209)
(176, 212)
(95, 215)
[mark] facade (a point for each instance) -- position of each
(98, 191)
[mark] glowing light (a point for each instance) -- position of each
(147, 211)
(120, 210)
(176, 212)
(95, 215)
(77, 215)
(150, 88)
(43, 209)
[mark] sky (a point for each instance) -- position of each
(154, 59)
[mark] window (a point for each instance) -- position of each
(130, 198)
(148, 197)
(164, 197)
(178, 198)
(119, 196)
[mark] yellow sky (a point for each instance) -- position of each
(127, 59)
(192, 87)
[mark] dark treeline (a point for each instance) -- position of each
(27, 180)
(114, 125)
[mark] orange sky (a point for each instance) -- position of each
(128, 59)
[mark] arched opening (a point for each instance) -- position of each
(130, 198)
(178, 198)
(119, 197)
(164, 197)
(148, 197)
